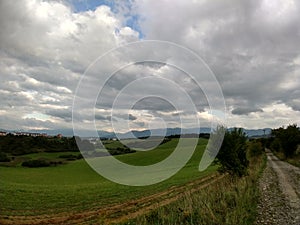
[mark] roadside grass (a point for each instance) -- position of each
(295, 160)
(229, 201)
(76, 187)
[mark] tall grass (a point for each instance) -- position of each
(294, 160)
(229, 201)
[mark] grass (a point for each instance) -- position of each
(229, 201)
(144, 144)
(144, 158)
(76, 187)
(295, 160)
(113, 144)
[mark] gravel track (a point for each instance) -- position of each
(280, 193)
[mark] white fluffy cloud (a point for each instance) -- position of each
(251, 46)
(45, 48)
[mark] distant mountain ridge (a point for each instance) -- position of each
(146, 133)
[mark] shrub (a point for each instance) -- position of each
(36, 163)
(276, 145)
(79, 156)
(3, 157)
(232, 154)
(67, 156)
(255, 148)
(288, 138)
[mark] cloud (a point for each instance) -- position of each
(294, 104)
(132, 117)
(245, 111)
(45, 48)
(65, 114)
(252, 47)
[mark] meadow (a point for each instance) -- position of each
(75, 187)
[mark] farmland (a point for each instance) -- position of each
(75, 187)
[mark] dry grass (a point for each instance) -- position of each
(228, 201)
(295, 160)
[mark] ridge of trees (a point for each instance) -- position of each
(21, 145)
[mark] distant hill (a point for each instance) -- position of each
(258, 132)
(146, 133)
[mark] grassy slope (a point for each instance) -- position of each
(75, 186)
(230, 201)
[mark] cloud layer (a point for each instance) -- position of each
(252, 47)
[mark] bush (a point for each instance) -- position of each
(55, 163)
(255, 148)
(232, 154)
(68, 156)
(3, 157)
(287, 138)
(80, 156)
(276, 145)
(36, 163)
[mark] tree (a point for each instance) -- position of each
(255, 148)
(287, 139)
(232, 154)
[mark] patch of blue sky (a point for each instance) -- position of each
(132, 20)
(85, 5)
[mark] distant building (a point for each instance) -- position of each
(59, 136)
(3, 133)
(38, 134)
(30, 134)
(22, 134)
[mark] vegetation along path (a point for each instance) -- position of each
(280, 193)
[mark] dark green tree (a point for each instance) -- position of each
(232, 154)
(287, 138)
(255, 148)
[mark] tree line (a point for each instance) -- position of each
(285, 140)
(236, 149)
(20, 145)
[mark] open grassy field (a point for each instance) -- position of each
(76, 187)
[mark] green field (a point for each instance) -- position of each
(75, 186)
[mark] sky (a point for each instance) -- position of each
(47, 48)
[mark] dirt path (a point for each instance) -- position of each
(280, 193)
(116, 213)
